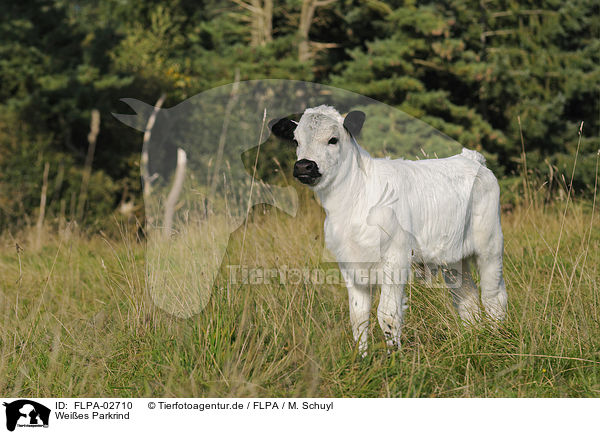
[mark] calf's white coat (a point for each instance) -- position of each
(385, 214)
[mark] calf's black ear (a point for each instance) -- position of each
(283, 128)
(354, 121)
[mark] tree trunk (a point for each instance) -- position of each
(40, 222)
(87, 168)
(261, 20)
(146, 177)
(307, 15)
(173, 196)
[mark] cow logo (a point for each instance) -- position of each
(26, 413)
(210, 162)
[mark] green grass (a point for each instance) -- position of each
(76, 320)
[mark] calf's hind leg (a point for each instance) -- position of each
(489, 246)
(488, 251)
(465, 295)
(392, 303)
(493, 289)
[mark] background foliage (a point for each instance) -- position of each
(471, 69)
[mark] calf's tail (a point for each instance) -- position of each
(473, 155)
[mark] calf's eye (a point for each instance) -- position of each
(333, 141)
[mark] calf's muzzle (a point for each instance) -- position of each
(306, 171)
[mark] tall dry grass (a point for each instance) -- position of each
(76, 319)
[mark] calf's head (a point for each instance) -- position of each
(323, 139)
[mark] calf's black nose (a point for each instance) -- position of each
(306, 167)
(306, 171)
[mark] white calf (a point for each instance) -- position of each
(386, 214)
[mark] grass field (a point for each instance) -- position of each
(75, 320)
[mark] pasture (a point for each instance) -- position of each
(76, 319)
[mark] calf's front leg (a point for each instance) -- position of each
(359, 298)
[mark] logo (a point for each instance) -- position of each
(210, 164)
(26, 413)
